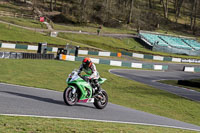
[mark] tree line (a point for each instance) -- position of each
(138, 13)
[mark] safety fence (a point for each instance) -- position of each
(160, 58)
(14, 55)
(115, 63)
(25, 47)
(55, 49)
(100, 53)
(191, 69)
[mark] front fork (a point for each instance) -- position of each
(73, 90)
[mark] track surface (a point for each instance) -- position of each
(150, 78)
(40, 102)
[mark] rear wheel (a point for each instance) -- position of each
(69, 97)
(102, 100)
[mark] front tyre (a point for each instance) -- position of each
(70, 98)
(100, 103)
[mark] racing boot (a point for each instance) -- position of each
(97, 90)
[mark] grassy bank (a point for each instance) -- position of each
(93, 29)
(52, 74)
(24, 22)
(107, 43)
(11, 33)
(41, 125)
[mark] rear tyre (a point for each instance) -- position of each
(100, 103)
(70, 98)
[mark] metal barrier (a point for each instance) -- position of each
(37, 56)
(14, 55)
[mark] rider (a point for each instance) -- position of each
(89, 68)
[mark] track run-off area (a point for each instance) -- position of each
(18, 100)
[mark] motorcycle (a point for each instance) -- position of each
(82, 91)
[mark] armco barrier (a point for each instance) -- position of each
(10, 55)
(115, 63)
(14, 55)
(160, 58)
(37, 56)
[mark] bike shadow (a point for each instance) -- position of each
(43, 99)
(47, 100)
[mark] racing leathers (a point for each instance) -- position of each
(94, 75)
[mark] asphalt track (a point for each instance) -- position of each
(29, 101)
(151, 78)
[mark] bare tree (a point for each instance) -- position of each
(130, 12)
(178, 8)
(150, 3)
(83, 10)
(192, 14)
(196, 6)
(165, 7)
(55, 3)
(51, 5)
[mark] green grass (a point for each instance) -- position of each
(40, 125)
(175, 83)
(107, 43)
(93, 29)
(24, 22)
(12, 33)
(52, 74)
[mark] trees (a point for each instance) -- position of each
(177, 6)
(130, 12)
(193, 16)
(51, 5)
(165, 7)
(116, 13)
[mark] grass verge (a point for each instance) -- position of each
(40, 125)
(52, 74)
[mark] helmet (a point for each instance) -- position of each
(87, 62)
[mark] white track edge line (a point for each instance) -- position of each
(108, 121)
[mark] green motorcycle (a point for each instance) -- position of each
(79, 90)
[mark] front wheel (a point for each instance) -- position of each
(69, 97)
(100, 103)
